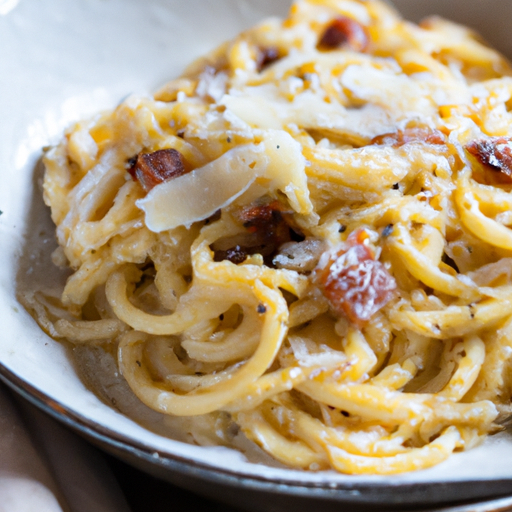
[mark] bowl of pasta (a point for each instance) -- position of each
(269, 253)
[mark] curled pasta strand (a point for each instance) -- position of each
(220, 393)
(478, 416)
(294, 453)
(361, 357)
(378, 443)
(425, 270)
(414, 459)
(486, 229)
(190, 310)
(395, 376)
(84, 331)
(390, 408)
(235, 345)
(492, 377)
(91, 194)
(455, 320)
(467, 371)
(277, 382)
(369, 402)
(122, 217)
(187, 383)
(91, 274)
(353, 168)
(306, 309)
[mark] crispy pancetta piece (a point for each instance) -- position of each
(495, 155)
(151, 169)
(344, 32)
(268, 227)
(355, 283)
(266, 56)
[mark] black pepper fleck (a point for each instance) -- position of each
(342, 229)
(387, 230)
(261, 309)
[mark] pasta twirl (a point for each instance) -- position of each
(306, 237)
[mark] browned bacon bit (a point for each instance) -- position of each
(344, 32)
(268, 227)
(415, 134)
(235, 254)
(150, 169)
(266, 56)
(262, 216)
(355, 283)
(495, 154)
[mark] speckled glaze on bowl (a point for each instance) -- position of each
(61, 60)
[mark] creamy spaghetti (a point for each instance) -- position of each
(306, 236)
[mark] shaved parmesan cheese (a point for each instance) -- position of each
(286, 169)
(199, 194)
(195, 196)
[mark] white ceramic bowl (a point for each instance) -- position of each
(61, 60)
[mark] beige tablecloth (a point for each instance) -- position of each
(46, 468)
